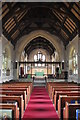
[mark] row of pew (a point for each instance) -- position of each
(66, 99)
(14, 98)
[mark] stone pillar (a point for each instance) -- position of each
(65, 61)
(15, 67)
(65, 65)
(16, 70)
(1, 56)
(79, 59)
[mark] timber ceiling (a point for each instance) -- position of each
(60, 19)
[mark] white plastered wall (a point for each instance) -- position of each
(72, 45)
(9, 46)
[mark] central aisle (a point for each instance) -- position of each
(40, 106)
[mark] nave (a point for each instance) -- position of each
(39, 60)
(58, 100)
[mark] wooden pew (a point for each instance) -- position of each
(51, 93)
(63, 89)
(17, 93)
(27, 89)
(68, 93)
(62, 100)
(69, 88)
(21, 87)
(21, 84)
(18, 99)
(69, 112)
(15, 89)
(14, 108)
(18, 87)
(13, 92)
(27, 86)
(51, 85)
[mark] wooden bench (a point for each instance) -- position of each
(51, 85)
(16, 89)
(62, 101)
(50, 90)
(21, 87)
(11, 92)
(17, 93)
(21, 84)
(68, 93)
(13, 107)
(18, 99)
(28, 86)
(69, 112)
(63, 89)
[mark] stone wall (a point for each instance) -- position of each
(72, 45)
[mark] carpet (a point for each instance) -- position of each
(40, 106)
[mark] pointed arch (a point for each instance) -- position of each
(39, 33)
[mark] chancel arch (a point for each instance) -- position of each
(39, 33)
(39, 51)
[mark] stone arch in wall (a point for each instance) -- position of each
(71, 51)
(73, 61)
(21, 44)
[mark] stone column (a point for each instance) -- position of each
(15, 67)
(65, 64)
(1, 56)
(65, 61)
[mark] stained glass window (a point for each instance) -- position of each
(39, 57)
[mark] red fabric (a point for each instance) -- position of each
(40, 106)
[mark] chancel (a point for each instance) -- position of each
(39, 60)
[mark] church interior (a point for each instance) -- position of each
(39, 61)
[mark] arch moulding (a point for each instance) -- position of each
(21, 44)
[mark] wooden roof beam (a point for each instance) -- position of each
(17, 24)
(70, 6)
(71, 15)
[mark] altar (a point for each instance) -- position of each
(39, 75)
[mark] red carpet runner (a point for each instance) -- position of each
(40, 106)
